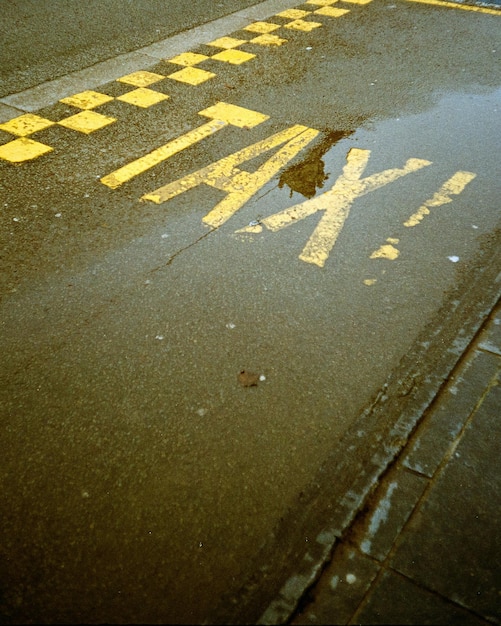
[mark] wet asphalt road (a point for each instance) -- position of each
(142, 480)
(43, 41)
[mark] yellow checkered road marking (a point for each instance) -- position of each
(227, 43)
(87, 100)
(87, 120)
(26, 125)
(23, 149)
(142, 97)
(261, 27)
(141, 79)
(188, 59)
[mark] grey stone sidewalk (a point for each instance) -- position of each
(427, 548)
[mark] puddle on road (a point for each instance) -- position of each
(309, 175)
(379, 177)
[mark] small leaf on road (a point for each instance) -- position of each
(248, 379)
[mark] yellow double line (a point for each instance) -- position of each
(457, 5)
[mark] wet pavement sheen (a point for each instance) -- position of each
(142, 480)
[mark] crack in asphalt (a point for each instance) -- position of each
(180, 251)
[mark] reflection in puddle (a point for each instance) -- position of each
(308, 176)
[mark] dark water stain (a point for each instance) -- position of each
(309, 175)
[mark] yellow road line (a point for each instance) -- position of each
(457, 5)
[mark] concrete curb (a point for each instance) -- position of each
(50, 92)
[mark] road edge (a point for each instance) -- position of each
(293, 557)
(49, 92)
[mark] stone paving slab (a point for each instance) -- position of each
(401, 492)
(426, 549)
(397, 600)
(453, 545)
(342, 588)
(445, 423)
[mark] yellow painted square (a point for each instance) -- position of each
(261, 27)
(321, 3)
(188, 59)
(142, 97)
(331, 11)
(87, 99)
(191, 75)
(358, 1)
(141, 78)
(227, 42)
(26, 124)
(87, 122)
(235, 57)
(302, 25)
(23, 149)
(235, 115)
(293, 14)
(268, 40)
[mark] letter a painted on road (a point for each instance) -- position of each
(239, 185)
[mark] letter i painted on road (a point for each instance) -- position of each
(453, 186)
(239, 185)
